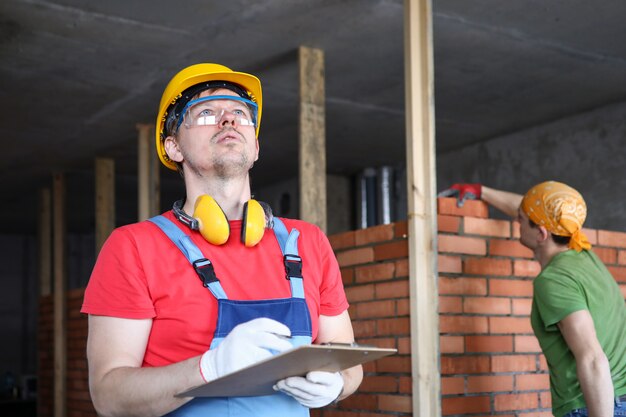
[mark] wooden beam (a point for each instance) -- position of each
(45, 242)
(422, 215)
(105, 200)
(59, 294)
(312, 137)
(149, 182)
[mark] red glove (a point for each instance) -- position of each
(463, 192)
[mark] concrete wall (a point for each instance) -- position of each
(587, 151)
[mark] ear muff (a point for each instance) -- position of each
(253, 225)
(212, 222)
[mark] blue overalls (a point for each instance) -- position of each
(293, 312)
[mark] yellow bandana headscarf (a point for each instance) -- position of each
(560, 209)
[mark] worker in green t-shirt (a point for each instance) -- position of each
(578, 312)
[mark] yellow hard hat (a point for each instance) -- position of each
(193, 76)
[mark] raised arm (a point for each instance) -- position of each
(504, 201)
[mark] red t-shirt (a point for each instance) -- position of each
(141, 274)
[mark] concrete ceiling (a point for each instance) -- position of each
(77, 75)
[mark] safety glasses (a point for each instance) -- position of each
(211, 110)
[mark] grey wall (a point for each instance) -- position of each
(587, 151)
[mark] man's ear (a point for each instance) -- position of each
(172, 149)
(543, 233)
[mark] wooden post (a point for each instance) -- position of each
(312, 137)
(105, 200)
(59, 296)
(149, 182)
(422, 215)
(45, 243)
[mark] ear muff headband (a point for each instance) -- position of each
(211, 221)
(253, 226)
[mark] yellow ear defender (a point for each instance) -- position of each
(210, 220)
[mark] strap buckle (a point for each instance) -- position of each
(293, 266)
(205, 271)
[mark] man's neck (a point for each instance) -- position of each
(230, 194)
(549, 250)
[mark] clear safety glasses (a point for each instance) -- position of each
(209, 111)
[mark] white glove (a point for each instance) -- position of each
(315, 390)
(246, 344)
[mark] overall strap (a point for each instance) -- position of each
(202, 266)
(288, 242)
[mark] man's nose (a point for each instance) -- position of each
(227, 118)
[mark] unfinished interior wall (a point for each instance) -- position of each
(586, 151)
(490, 362)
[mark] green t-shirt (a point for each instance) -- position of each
(571, 282)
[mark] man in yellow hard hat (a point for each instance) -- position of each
(578, 312)
(217, 283)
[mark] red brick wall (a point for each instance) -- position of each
(490, 361)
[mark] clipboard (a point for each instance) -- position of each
(258, 379)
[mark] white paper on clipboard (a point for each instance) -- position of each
(258, 379)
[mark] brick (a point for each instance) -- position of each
(526, 268)
(623, 290)
(375, 309)
(535, 414)
(487, 266)
(399, 249)
(395, 289)
(507, 402)
(487, 305)
(342, 240)
(361, 402)
(545, 399)
(618, 272)
(450, 305)
(403, 307)
(401, 229)
(532, 382)
(364, 328)
(404, 345)
(543, 365)
(451, 344)
(521, 306)
(592, 235)
(513, 363)
(615, 239)
(379, 383)
(452, 385)
(621, 257)
(526, 344)
(486, 227)
(394, 363)
(462, 286)
(511, 248)
(373, 234)
(376, 272)
(509, 325)
(397, 403)
(405, 387)
(515, 229)
(449, 264)
(489, 383)
(448, 224)
(479, 344)
(606, 255)
(402, 268)
(510, 287)
(461, 244)
(347, 276)
(396, 326)
(465, 365)
(465, 405)
(463, 324)
(357, 293)
(471, 208)
(355, 256)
